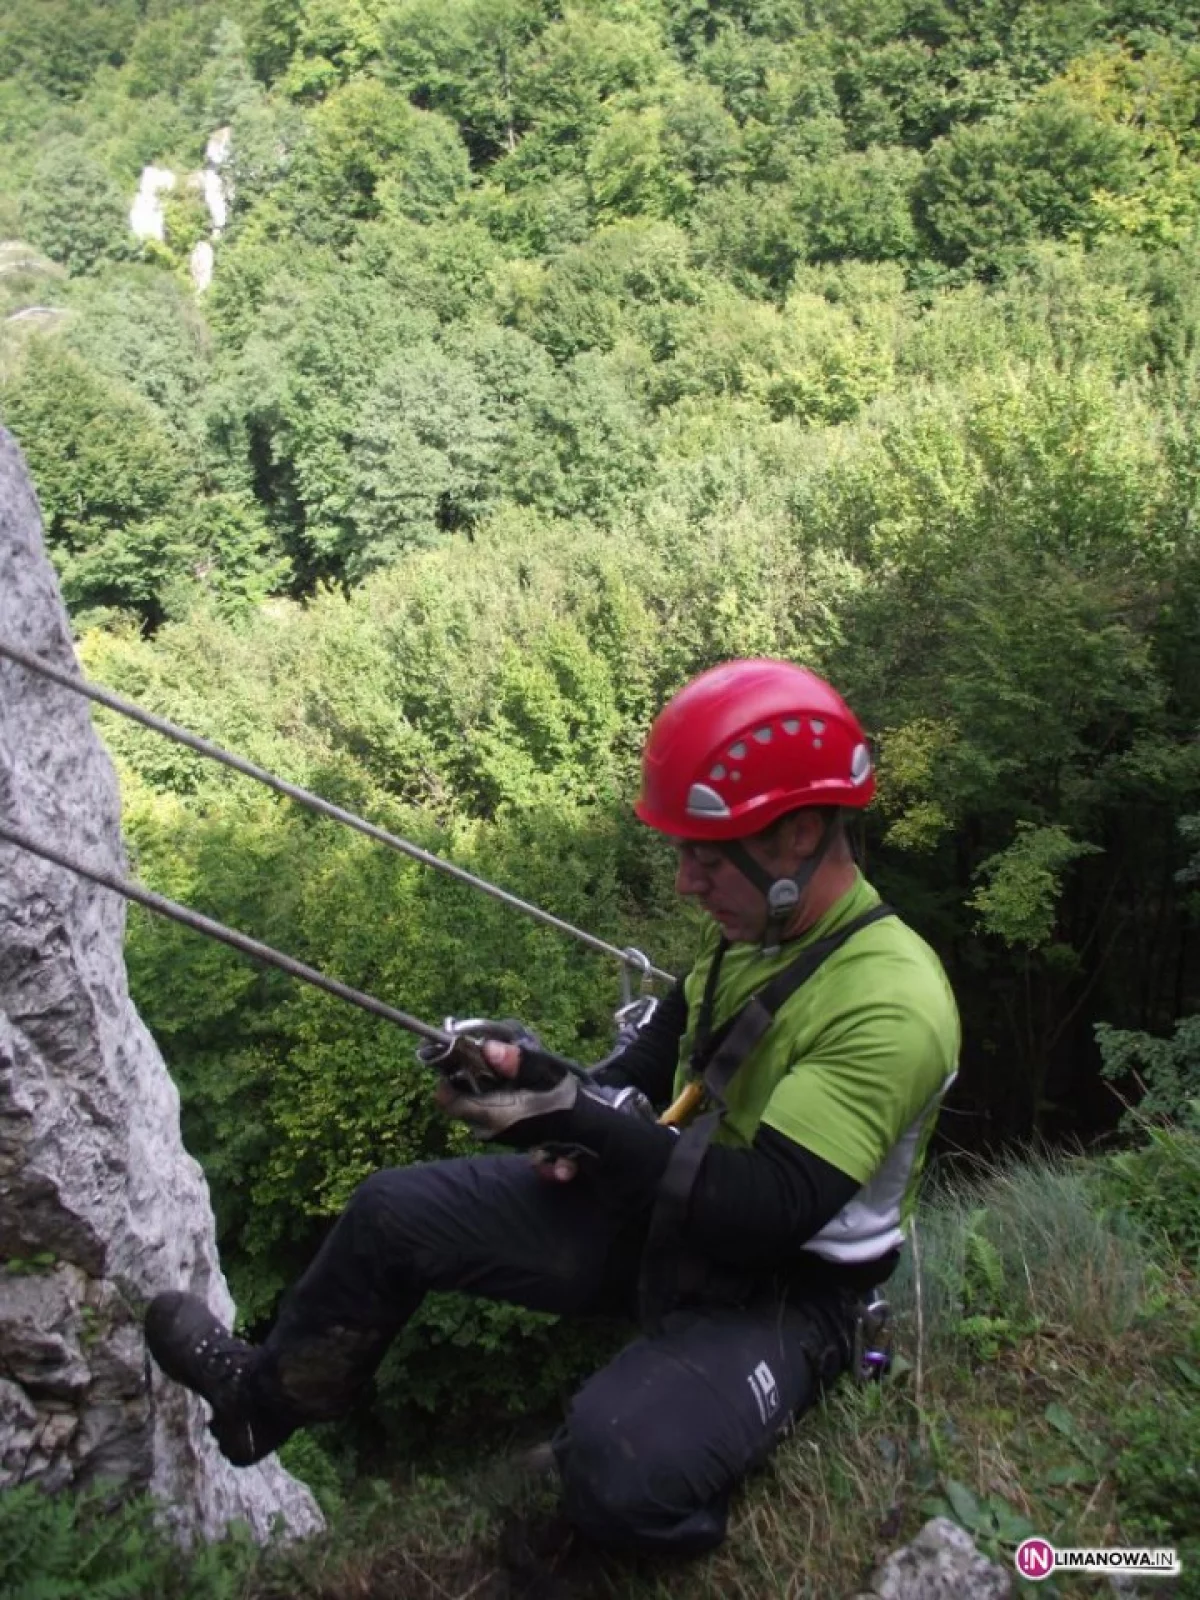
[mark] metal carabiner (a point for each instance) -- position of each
(872, 1355)
(631, 957)
(631, 1018)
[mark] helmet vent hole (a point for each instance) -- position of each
(738, 751)
(705, 802)
(735, 776)
(817, 744)
(762, 735)
(817, 725)
(791, 725)
(717, 773)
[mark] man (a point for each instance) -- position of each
(823, 1032)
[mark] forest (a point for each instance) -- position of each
(553, 351)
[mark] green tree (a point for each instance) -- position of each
(988, 188)
(72, 209)
(59, 45)
(460, 59)
(859, 206)
(628, 169)
(425, 454)
(331, 42)
(109, 478)
(370, 150)
(140, 328)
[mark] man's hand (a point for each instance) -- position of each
(535, 1086)
(505, 1061)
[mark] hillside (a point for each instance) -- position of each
(551, 353)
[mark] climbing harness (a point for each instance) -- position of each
(717, 1057)
(458, 1054)
(633, 962)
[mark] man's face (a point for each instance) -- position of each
(728, 896)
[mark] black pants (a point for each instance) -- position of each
(655, 1442)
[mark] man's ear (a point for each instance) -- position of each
(808, 828)
(794, 839)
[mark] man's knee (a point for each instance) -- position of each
(375, 1197)
(627, 1488)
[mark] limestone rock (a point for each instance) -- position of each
(219, 147)
(211, 189)
(146, 217)
(941, 1563)
(100, 1205)
(200, 265)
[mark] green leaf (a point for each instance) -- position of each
(1072, 1473)
(1011, 1526)
(964, 1505)
(1059, 1417)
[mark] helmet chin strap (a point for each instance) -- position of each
(782, 895)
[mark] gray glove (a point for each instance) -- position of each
(494, 1106)
(500, 1112)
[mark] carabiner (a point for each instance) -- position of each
(632, 957)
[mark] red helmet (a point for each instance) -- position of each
(746, 742)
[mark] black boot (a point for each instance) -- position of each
(192, 1347)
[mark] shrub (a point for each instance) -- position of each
(96, 1545)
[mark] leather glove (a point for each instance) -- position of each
(494, 1105)
(499, 1112)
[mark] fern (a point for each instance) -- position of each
(93, 1546)
(983, 1267)
(36, 1538)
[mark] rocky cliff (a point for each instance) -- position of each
(100, 1205)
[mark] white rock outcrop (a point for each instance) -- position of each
(100, 1205)
(146, 217)
(219, 148)
(200, 265)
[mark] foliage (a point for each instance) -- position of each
(72, 209)
(551, 356)
(111, 479)
(1168, 1069)
(96, 1545)
(1023, 884)
(1156, 1469)
(1158, 1185)
(57, 46)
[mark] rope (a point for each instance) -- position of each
(218, 930)
(629, 958)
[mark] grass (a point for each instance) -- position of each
(1038, 1340)
(1047, 1380)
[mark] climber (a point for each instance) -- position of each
(823, 1033)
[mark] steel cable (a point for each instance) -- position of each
(218, 930)
(631, 960)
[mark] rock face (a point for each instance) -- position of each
(100, 1205)
(941, 1563)
(146, 218)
